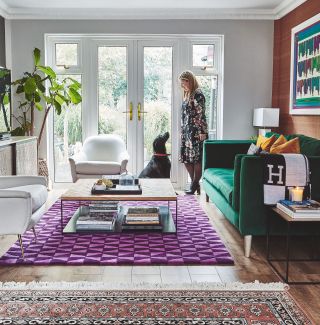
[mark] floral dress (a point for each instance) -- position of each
(193, 123)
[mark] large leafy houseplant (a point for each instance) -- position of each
(41, 90)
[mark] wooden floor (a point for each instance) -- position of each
(244, 269)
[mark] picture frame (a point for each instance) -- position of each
(305, 68)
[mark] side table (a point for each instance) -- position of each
(289, 222)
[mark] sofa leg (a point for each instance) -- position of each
(207, 198)
(34, 233)
(21, 246)
(247, 245)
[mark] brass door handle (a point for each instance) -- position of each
(139, 112)
(130, 111)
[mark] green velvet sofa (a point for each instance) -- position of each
(233, 181)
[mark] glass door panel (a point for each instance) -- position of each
(67, 137)
(112, 90)
(209, 87)
(157, 74)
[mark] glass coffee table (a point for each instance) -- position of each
(158, 190)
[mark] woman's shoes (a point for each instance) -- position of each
(195, 187)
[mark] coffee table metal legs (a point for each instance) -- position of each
(61, 210)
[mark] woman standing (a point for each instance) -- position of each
(194, 128)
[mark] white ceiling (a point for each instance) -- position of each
(146, 9)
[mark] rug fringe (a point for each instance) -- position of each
(85, 285)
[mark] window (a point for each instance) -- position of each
(66, 55)
(202, 55)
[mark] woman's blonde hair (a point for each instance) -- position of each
(193, 82)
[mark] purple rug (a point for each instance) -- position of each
(195, 243)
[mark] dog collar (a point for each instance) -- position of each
(161, 154)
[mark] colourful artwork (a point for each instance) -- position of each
(305, 68)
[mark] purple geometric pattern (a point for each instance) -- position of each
(195, 243)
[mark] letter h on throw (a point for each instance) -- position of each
(279, 174)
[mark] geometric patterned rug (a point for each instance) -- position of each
(196, 242)
(62, 305)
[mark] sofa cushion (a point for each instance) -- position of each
(308, 146)
(290, 146)
(222, 180)
(39, 194)
(98, 167)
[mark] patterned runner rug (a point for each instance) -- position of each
(91, 303)
(196, 242)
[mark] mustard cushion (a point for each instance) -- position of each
(265, 143)
(292, 146)
(281, 140)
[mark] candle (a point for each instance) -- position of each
(297, 194)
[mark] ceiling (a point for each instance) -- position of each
(147, 9)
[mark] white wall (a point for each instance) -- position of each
(247, 62)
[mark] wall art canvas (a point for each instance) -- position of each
(305, 68)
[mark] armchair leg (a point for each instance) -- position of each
(21, 246)
(207, 198)
(247, 245)
(34, 233)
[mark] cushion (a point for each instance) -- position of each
(39, 194)
(253, 149)
(281, 140)
(291, 146)
(308, 146)
(98, 167)
(222, 180)
(265, 143)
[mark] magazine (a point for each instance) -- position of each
(299, 214)
(306, 206)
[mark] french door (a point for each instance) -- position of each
(135, 94)
(130, 87)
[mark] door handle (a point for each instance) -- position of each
(140, 112)
(130, 111)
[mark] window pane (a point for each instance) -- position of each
(157, 96)
(67, 139)
(67, 54)
(112, 84)
(202, 55)
(209, 87)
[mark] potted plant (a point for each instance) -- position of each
(41, 90)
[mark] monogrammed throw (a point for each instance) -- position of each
(282, 172)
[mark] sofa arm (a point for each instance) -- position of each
(252, 212)
(221, 153)
(16, 211)
(14, 181)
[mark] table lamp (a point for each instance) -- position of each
(266, 118)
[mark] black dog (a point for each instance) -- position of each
(159, 166)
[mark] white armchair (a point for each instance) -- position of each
(100, 155)
(22, 204)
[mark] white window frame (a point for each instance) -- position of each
(89, 87)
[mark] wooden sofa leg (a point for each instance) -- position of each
(247, 245)
(207, 198)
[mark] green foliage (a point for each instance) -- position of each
(43, 89)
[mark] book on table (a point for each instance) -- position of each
(104, 206)
(304, 209)
(143, 216)
(96, 221)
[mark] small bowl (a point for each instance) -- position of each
(100, 187)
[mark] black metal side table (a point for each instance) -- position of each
(289, 221)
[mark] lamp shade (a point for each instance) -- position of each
(266, 117)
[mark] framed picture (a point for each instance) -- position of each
(305, 68)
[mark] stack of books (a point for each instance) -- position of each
(101, 217)
(309, 209)
(142, 218)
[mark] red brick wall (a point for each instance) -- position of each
(308, 125)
